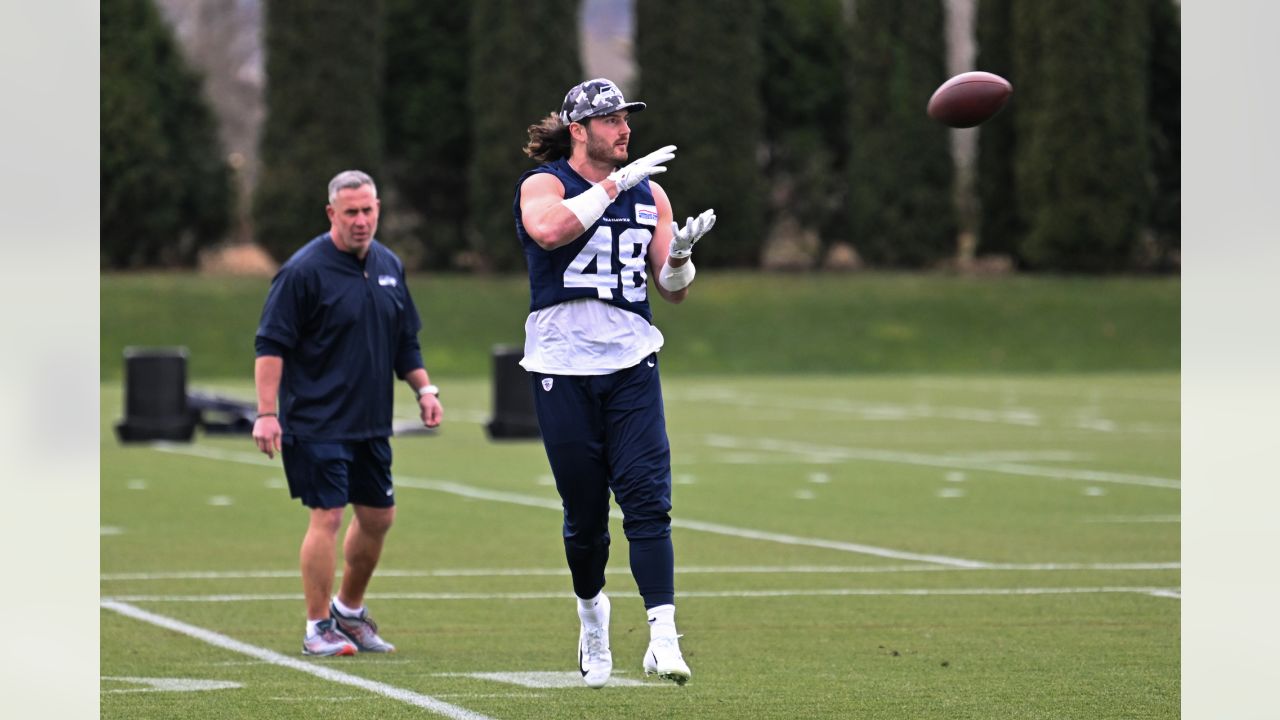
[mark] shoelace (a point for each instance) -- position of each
(667, 643)
(362, 620)
(330, 634)
(595, 644)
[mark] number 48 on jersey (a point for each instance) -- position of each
(594, 267)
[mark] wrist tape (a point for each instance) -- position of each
(676, 279)
(589, 206)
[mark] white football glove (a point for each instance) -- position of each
(683, 240)
(629, 176)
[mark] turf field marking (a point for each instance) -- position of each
(1164, 592)
(1134, 519)
(685, 523)
(874, 411)
(785, 539)
(1014, 389)
(247, 458)
(952, 462)
(545, 680)
(550, 504)
(623, 570)
(169, 684)
(325, 673)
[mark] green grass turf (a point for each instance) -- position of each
(734, 322)
(1056, 482)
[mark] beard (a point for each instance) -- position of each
(598, 150)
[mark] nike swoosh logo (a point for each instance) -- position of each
(649, 363)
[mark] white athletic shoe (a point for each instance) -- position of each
(594, 659)
(663, 658)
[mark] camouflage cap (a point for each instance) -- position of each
(593, 98)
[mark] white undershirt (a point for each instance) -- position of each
(586, 337)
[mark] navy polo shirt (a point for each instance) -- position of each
(343, 329)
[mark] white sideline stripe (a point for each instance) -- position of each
(879, 411)
(389, 691)
(827, 544)
(1134, 519)
(624, 570)
(214, 454)
(1035, 388)
(729, 442)
(527, 500)
(548, 504)
(1169, 592)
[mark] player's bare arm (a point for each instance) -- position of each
(544, 214)
(660, 246)
(674, 244)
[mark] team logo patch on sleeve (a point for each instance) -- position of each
(387, 280)
(647, 214)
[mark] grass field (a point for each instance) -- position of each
(734, 322)
(897, 546)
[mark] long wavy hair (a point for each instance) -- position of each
(548, 140)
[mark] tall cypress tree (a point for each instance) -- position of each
(524, 58)
(700, 73)
(1082, 131)
(1165, 101)
(900, 168)
(166, 187)
(427, 118)
(805, 57)
(1000, 227)
(324, 102)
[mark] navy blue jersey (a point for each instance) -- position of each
(608, 262)
(342, 329)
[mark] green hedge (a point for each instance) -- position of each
(732, 323)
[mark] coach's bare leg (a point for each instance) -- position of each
(317, 557)
(361, 550)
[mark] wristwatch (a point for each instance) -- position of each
(428, 390)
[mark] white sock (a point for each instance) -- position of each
(344, 610)
(662, 621)
(311, 627)
(588, 610)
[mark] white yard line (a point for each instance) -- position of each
(1134, 519)
(1035, 388)
(953, 462)
(785, 539)
(470, 491)
(876, 411)
(1168, 592)
(622, 570)
(425, 702)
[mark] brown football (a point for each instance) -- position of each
(969, 99)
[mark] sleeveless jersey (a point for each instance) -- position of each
(608, 262)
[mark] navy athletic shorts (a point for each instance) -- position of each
(335, 474)
(603, 433)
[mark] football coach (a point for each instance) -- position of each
(337, 325)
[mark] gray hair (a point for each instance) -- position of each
(350, 180)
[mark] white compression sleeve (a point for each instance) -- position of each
(589, 206)
(676, 279)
